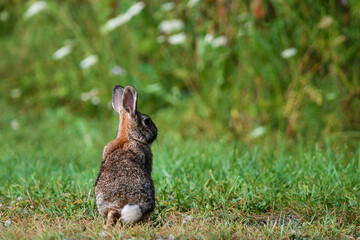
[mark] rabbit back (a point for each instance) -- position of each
(125, 178)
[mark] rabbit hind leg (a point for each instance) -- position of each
(147, 217)
(112, 217)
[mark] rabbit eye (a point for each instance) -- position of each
(147, 121)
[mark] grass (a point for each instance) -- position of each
(204, 189)
(251, 144)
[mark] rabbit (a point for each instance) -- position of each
(124, 190)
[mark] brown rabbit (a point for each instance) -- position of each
(124, 189)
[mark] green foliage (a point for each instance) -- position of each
(195, 88)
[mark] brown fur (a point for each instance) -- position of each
(119, 141)
(125, 172)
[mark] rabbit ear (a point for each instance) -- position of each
(129, 100)
(116, 98)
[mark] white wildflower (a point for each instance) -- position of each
(14, 124)
(171, 237)
(85, 96)
(92, 95)
(117, 70)
(114, 23)
(169, 26)
(12, 202)
(95, 100)
(19, 198)
(219, 41)
(135, 9)
(102, 234)
(15, 93)
(89, 61)
(288, 53)
(123, 18)
(208, 38)
(62, 52)
(168, 6)
(215, 42)
(177, 39)
(8, 223)
(4, 16)
(35, 8)
(192, 3)
(258, 131)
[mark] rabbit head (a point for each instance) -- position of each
(133, 125)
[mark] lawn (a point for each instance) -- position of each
(205, 189)
(257, 105)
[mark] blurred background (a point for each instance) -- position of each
(251, 70)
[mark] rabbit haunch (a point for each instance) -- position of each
(124, 189)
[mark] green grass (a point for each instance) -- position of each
(251, 145)
(230, 190)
